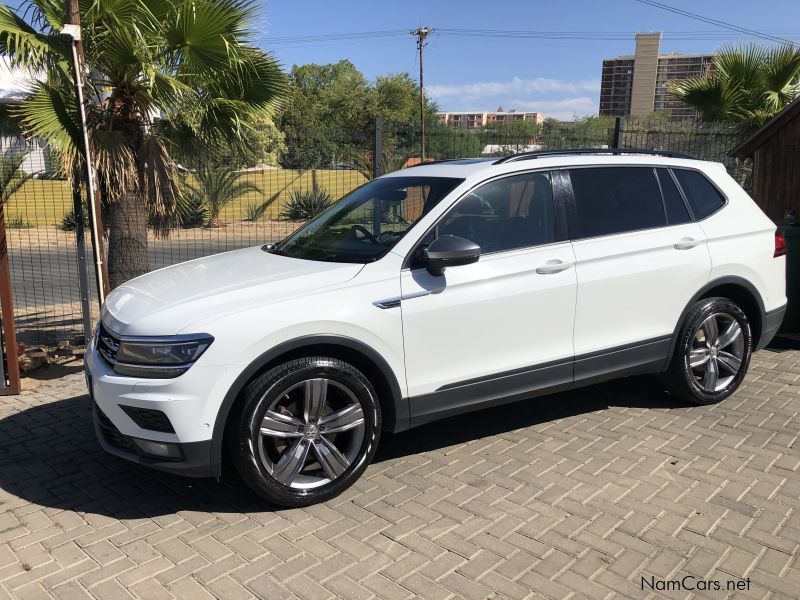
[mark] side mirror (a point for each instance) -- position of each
(450, 251)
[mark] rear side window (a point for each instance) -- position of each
(612, 200)
(677, 212)
(702, 196)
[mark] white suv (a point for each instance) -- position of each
(431, 291)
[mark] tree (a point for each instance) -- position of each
(260, 144)
(397, 100)
(747, 86)
(216, 187)
(333, 96)
(190, 61)
(331, 109)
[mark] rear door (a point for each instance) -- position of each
(639, 259)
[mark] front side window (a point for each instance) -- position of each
(504, 214)
(611, 200)
(702, 196)
(367, 223)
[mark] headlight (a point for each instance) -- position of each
(162, 353)
(152, 357)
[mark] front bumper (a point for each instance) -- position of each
(195, 457)
(185, 403)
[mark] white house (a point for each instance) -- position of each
(14, 84)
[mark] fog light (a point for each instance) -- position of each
(162, 449)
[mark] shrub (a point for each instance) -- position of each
(254, 212)
(306, 204)
(68, 223)
(192, 212)
(17, 222)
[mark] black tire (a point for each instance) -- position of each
(289, 392)
(695, 381)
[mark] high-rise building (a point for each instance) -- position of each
(636, 85)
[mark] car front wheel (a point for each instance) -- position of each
(712, 352)
(306, 431)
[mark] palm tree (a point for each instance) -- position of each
(216, 187)
(747, 86)
(12, 177)
(192, 63)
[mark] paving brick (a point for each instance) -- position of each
(577, 506)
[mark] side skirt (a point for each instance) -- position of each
(510, 386)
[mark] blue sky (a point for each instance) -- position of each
(560, 78)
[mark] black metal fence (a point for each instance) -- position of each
(303, 172)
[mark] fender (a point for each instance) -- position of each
(727, 280)
(400, 403)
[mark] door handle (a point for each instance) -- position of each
(553, 266)
(686, 243)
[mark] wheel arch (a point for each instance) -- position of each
(734, 288)
(394, 407)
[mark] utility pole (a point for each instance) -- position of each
(72, 31)
(421, 33)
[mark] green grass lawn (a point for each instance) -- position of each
(42, 202)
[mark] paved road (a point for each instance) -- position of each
(46, 290)
(578, 495)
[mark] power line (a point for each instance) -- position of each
(523, 35)
(716, 22)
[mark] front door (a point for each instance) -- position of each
(501, 326)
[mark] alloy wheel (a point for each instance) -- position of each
(311, 434)
(716, 352)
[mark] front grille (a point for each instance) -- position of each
(149, 418)
(112, 435)
(107, 345)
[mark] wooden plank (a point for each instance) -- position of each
(7, 310)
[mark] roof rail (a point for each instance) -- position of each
(569, 151)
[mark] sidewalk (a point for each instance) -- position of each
(588, 494)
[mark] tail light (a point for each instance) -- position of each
(780, 244)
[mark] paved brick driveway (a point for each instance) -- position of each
(576, 495)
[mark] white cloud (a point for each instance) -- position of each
(14, 83)
(555, 98)
(517, 85)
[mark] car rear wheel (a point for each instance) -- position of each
(306, 431)
(712, 353)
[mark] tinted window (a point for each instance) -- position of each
(673, 202)
(616, 199)
(702, 196)
(505, 214)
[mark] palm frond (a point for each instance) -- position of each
(748, 86)
(218, 186)
(158, 177)
(781, 77)
(203, 34)
(115, 161)
(51, 113)
(21, 43)
(710, 95)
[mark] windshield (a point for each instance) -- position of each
(369, 221)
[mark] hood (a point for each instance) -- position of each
(167, 301)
